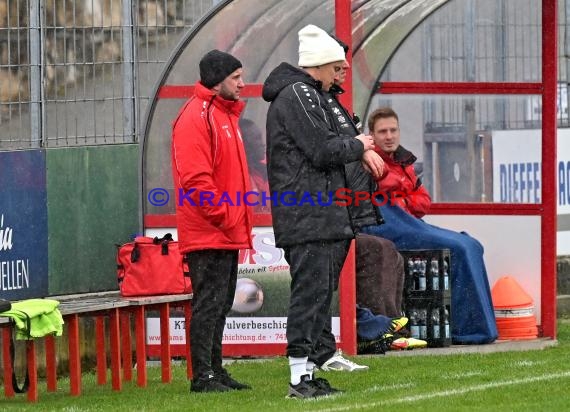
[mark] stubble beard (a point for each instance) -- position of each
(227, 94)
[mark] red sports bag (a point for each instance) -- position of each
(152, 266)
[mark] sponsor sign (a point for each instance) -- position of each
(23, 225)
(517, 168)
(252, 330)
(259, 313)
(517, 174)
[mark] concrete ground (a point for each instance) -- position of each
(497, 346)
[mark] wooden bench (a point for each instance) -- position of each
(100, 306)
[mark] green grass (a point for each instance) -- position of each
(512, 381)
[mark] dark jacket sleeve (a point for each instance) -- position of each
(312, 132)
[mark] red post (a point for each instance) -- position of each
(343, 24)
(115, 349)
(32, 370)
(74, 355)
(165, 342)
(100, 349)
(140, 337)
(126, 345)
(549, 129)
(347, 302)
(51, 364)
(187, 319)
(7, 361)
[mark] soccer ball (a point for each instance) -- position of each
(248, 297)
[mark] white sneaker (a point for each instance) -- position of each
(340, 363)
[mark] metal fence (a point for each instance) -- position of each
(487, 41)
(80, 72)
(498, 41)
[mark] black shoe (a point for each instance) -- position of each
(323, 384)
(208, 383)
(226, 380)
(402, 333)
(305, 389)
(377, 346)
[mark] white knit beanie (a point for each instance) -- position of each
(316, 47)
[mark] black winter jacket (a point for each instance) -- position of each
(305, 160)
(362, 212)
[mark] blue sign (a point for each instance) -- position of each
(23, 225)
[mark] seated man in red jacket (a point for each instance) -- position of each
(399, 181)
(406, 202)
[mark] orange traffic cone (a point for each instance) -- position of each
(514, 310)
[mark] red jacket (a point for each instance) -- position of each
(401, 184)
(210, 174)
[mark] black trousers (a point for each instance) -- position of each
(315, 269)
(214, 277)
(326, 345)
(379, 275)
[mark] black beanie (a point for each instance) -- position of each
(215, 66)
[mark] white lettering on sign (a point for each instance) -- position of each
(5, 236)
(264, 253)
(14, 274)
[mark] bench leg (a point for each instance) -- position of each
(115, 350)
(101, 352)
(165, 342)
(140, 336)
(187, 318)
(74, 355)
(7, 362)
(32, 370)
(127, 354)
(51, 364)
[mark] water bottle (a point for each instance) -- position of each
(434, 270)
(445, 275)
(446, 323)
(423, 323)
(410, 278)
(435, 323)
(417, 274)
(414, 327)
(422, 275)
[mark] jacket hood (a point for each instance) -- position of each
(282, 76)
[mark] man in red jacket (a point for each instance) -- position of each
(407, 202)
(210, 174)
(398, 181)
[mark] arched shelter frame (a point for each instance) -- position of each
(386, 19)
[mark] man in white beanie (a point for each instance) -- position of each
(306, 157)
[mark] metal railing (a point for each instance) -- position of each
(81, 72)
